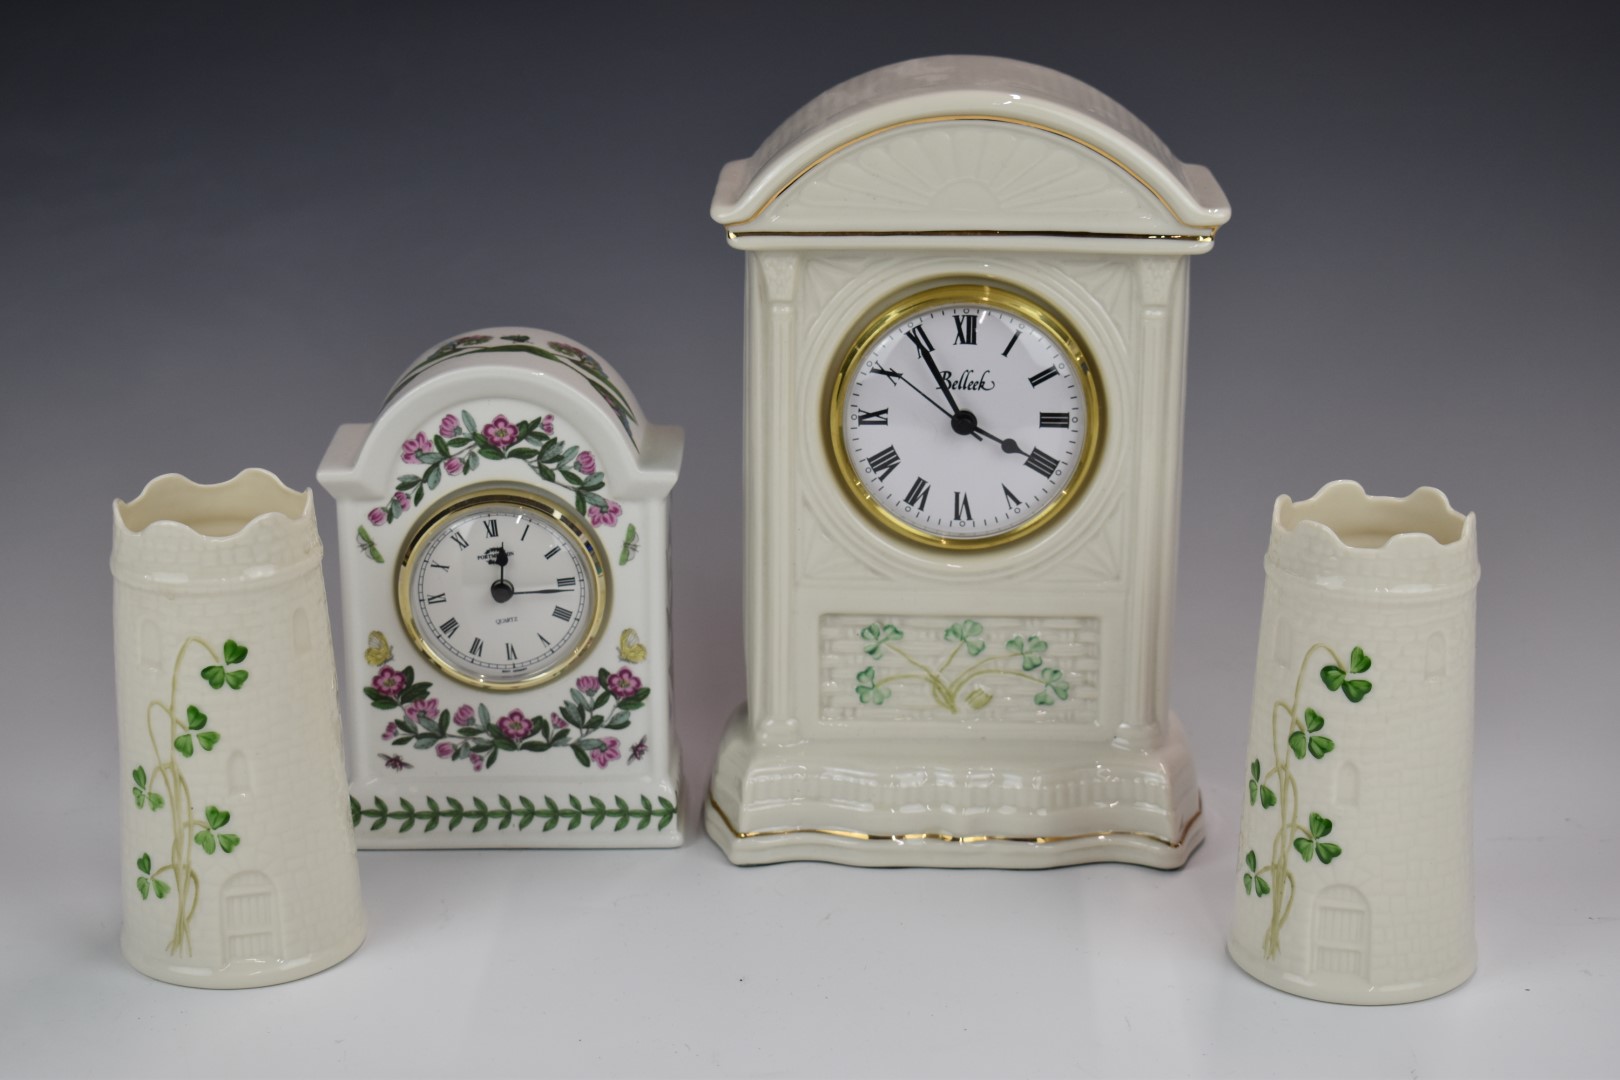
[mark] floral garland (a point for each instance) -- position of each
(460, 444)
(596, 704)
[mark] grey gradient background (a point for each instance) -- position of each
(224, 229)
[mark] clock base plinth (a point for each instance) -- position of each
(949, 803)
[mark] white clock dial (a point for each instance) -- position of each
(502, 589)
(966, 416)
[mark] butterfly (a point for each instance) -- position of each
(628, 551)
(368, 545)
(378, 651)
(631, 650)
(395, 762)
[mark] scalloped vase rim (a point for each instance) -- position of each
(1340, 505)
(177, 484)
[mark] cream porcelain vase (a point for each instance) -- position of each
(1355, 878)
(238, 864)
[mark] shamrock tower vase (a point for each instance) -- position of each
(237, 865)
(1355, 878)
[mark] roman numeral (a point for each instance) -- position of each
(525, 535)
(1013, 501)
(884, 462)
(1042, 462)
(881, 416)
(553, 551)
(436, 598)
(511, 653)
(562, 613)
(967, 329)
(963, 511)
(1055, 419)
(449, 627)
(542, 638)
(437, 566)
(565, 583)
(1041, 376)
(1011, 343)
(477, 647)
(461, 541)
(491, 527)
(919, 338)
(917, 497)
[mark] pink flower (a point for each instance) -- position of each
(558, 722)
(639, 751)
(464, 715)
(449, 427)
(515, 726)
(587, 684)
(389, 683)
(452, 466)
(413, 446)
(402, 500)
(377, 516)
(608, 752)
(500, 432)
(586, 463)
(391, 730)
(427, 710)
(608, 515)
(546, 424)
(623, 683)
(444, 749)
(477, 762)
(472, 339)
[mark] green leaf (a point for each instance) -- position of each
(1333, 676)
(140, 798)
(1254, 770)
(1260, 886)
(1356, 689)
(583, 758)
(234, 653)
(228, 842)
(1251, 861)
(1313, 720)
(467, 424)
(1359, 662)
(1296, 743)
(144, 863)
(196, 719)
(159, 888)
(207, 739)
(1320, 746)
(1328, 852)
(182, 743)
(217, 818)
(235, 679)
(1043, 698)
(1254, 792)
(154, 800)
(142, 886)
(1248, 883)
(206, 841)
(1268, 798)
(1304, 847)
(1320, 826)
(214, 675)
(140, 776)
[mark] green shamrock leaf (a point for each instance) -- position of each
(1333, 676)
(235, 679)
(1320, 746)
(877, 635)
(217, 818)
(228, 842)
(154, 800)
(144, 863)
(1251, 862)
(1268, 798)
(207, 739)
(1314, 845)
(196, 719)
(1031, 649)
(234, 653)
(867, 689)
(1248, 883)
(1359, 661)
(969, 633)
(206, 841)
(214, 675)
(1296, 743)
(1356, 689)
(161, 889)
(1249, 878)
(1254, 780)
(140, 776)
(1313, 720)
(1320, 826)
(141, 886)
(182, 743)
(140, 798)
(1260, 886)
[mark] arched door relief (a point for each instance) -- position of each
(1341, 932)
(251, 920)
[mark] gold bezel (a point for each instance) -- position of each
(574, 530)
(990, 295)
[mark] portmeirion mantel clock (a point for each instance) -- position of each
(966, 328)
(506, 634)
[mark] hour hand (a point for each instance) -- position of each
(1008, 446)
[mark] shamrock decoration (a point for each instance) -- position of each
(868, 690)
(1253, 883)
(1032, 649)
(1314, 844)
(1257, 790)
(217, 675)
(1334, 677)
(145, 796)
(210, 838)
(1302, 741)
(1055, 686)
(146, 884)
(877, 635)
(969, 633)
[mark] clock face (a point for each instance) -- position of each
(502, 588)
(966, 416)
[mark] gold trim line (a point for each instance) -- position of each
(971, 116)
(732, 234)
(948, 838)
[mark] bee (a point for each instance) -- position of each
(395, 762)
(628, 551)
(631, 650)
(368, 545)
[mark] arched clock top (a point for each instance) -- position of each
(959, 144)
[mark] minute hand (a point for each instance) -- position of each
(892, 375)
(533, 592)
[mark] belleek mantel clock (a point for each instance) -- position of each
(966, 327)
(506, 602)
